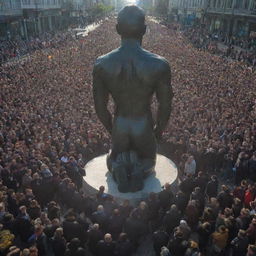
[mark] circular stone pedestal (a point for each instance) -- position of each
(97, 175)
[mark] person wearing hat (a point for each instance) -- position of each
(240, 243)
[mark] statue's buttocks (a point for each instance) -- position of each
(131, 75)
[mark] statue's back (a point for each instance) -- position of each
(131, 75)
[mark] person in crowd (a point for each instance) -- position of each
(212, 187)
(225, 198)
(171, 219)
(166, 197)
(58, 242)
(177, 245)
(123, 246)
(160, 239)
(106, 246)
(190, 166)
(219, 240)
(240, 243)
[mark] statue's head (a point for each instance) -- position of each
(131, 22)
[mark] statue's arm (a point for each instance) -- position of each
(164, 96)
(101, 97)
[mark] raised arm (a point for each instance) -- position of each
(101, 97)
(164, 96)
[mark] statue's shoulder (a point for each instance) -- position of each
(105, 60)
(159, 62)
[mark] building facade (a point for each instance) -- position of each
(41, 16)
(229, 17)
(187, 11)
(232, 17)
(25, 18)
(10, 16)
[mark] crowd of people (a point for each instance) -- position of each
(49, 130)
(241, 49)
(16, 48)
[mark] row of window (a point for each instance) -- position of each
(9, 4)
(189, 3)
(16, 4)
(237, 4)
(220, 4)
(40, 2)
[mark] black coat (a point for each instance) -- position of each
(106, 249)
(166, 198)
(124, 248)
(160, 239)
(58, 246)
(177, 246)
(72, 229)
(171, 220)
(94, 236)
(212, 188)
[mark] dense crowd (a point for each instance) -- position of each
(49, 130)
(16, 48)
(241, 49)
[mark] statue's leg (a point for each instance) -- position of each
(144, 145)
(118, 159)
(120, 138)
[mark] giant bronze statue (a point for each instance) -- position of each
(132, 75)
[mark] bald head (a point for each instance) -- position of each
(131, 22)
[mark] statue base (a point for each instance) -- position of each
(97, 175)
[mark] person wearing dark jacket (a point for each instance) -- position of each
(160, 239)
(58, 243)
(177, 245)
(201, 181)
(94, 235)
(204, 232)
(187, 185)
(100, 217)
(107, 246)
(212, 187)
(40, 240)
(74, 248)
(171, 219)
(153, 207)
(72, 229)
(34, 210)
(198, 196)
(225, 199)
(240, 244)
(166, 197)
(181, 200)
(115, 224)
(123, 246)
(23, 225)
